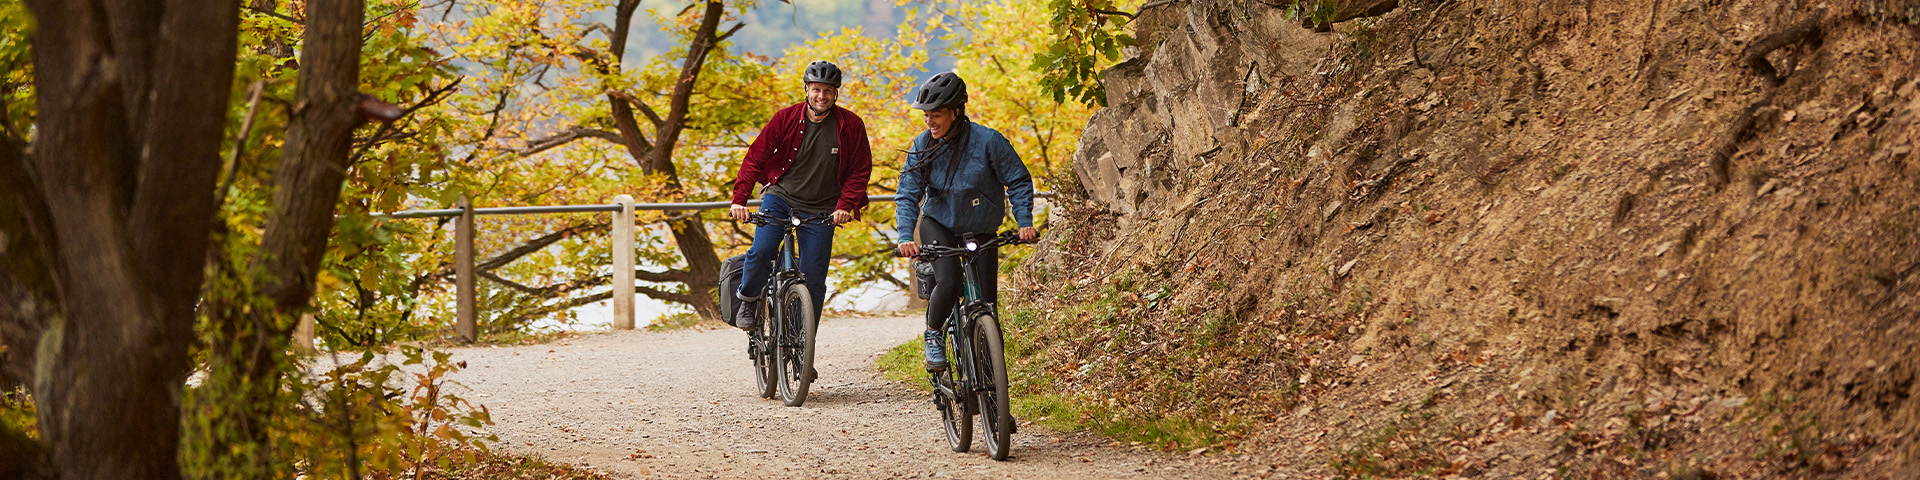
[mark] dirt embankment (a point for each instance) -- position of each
(1506, 238)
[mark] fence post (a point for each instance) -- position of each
(303, 335)
(465, 325)
(623, 264)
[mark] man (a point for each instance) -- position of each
(966, 173)
(814, 159)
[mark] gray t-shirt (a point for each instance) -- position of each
(812, 183)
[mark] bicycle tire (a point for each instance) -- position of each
(954, 419)
(765, 378)
(794, 361)
(990, 364)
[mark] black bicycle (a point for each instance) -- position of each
(782, 346)
(976, 381)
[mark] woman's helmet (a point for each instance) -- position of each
(822, 71)
(945, 90)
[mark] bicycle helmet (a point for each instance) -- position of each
(945, 90)
(822, 71)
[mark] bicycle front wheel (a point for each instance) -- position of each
(796, 330)
(990, 367)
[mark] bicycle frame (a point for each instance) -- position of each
(788, 270)
(960, 326)
(789, 337)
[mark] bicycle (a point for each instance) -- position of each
(782, 346)
(976, 380)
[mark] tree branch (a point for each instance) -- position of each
(663, 295)
(644, 109)
(1755, 55)
(723, 36)
(568, 136)
(597, 26)
(540, 242)
(650, 292)
(391, 119)
(523, 288)
(269, 12)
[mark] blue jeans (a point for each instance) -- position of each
(816, 251)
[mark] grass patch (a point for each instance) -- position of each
(906, 363)
(1069, 413)
(1034, 401)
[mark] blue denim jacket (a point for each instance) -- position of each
(973, 197)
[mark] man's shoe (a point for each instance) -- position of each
(936, 351)
(743, 314)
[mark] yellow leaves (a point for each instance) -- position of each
(328, 281)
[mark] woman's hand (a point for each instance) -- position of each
(909, 249)
(1027, 234)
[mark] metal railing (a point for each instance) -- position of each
(622, 208)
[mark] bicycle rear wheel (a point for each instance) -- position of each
(762, 341)
(795, 360)
(990, 367)
(953, 415)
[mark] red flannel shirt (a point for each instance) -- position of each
(773, 150)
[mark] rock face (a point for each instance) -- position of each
(1191, 82)
(1619, 239)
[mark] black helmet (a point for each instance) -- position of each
(945, 90)
(822, 71)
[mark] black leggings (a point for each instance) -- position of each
(947, 283)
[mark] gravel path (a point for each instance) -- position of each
(679, 405)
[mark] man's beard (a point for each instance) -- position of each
(818, 111)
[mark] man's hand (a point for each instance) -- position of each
(909, 249)
(1027, 234)
(739, 212)
(841, 217)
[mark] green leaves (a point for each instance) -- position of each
(16, 70)
(1087, 37)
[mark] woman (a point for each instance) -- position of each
(965, 174)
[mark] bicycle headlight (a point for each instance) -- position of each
(972, 246)
(796, 221)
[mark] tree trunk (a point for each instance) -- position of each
(703, 265)
(690, 235)
(132, 102)
(27, 291)
(26, 301)
(313, 165)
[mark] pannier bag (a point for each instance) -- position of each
(730, 270)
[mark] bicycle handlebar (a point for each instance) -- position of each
(932, 252)
(761, 219)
